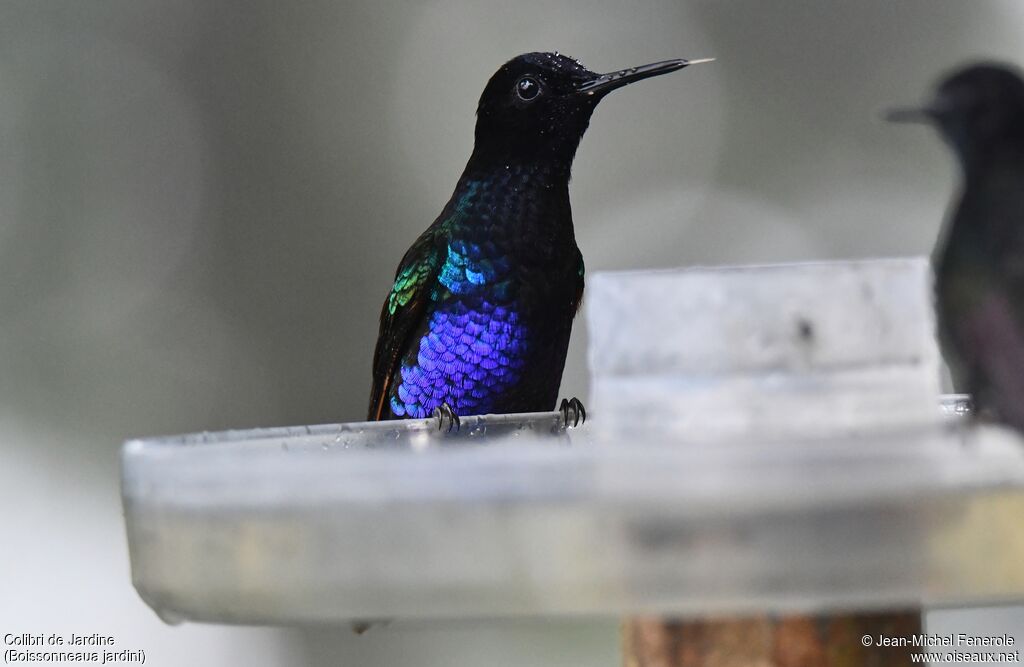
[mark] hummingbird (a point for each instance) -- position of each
(979, 259)
(479, 315)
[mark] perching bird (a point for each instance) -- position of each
(979, 262)
(478, 319)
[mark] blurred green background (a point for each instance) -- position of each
(202, 203)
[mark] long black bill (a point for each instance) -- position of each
(609, 82)
(909, 115)
(935, 110)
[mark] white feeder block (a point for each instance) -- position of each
(772, 351)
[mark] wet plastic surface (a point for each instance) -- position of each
(514, 518)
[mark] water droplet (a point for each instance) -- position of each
(170, 617)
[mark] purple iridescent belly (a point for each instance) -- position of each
(471, 357)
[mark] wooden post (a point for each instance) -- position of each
(769, 641)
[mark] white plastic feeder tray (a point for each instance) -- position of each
(648, 508)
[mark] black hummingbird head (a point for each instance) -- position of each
(539, 104)
(976, 109)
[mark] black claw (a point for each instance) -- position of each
(572, 406)
(582, 411)
(444, 413)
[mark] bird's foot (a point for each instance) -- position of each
(573, 412)
(446, 416)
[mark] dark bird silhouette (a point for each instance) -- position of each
(979, 261)
(479, 317)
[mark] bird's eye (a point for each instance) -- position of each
(527, 88)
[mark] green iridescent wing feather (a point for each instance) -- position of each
(402, 314)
